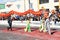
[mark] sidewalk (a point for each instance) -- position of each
(19, 34)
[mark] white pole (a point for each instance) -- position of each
(24, 6)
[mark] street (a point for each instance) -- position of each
(18, 33)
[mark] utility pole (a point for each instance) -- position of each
(59, 5)
(38, 4)
(29, 4)
(24, 6)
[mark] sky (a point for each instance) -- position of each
(4, 1)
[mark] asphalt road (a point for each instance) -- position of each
(11, 36)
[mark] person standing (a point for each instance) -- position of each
(47, 23)
(42, 26)
(28, 26)
(10, 23)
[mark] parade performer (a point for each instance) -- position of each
(42, 26)
(10, 23)
(47, 22)
(28, 26)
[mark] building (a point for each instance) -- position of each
(20, 6)
(49, 4)
(24, 5)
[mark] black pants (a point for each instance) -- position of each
(10, 26)
(56, 20)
